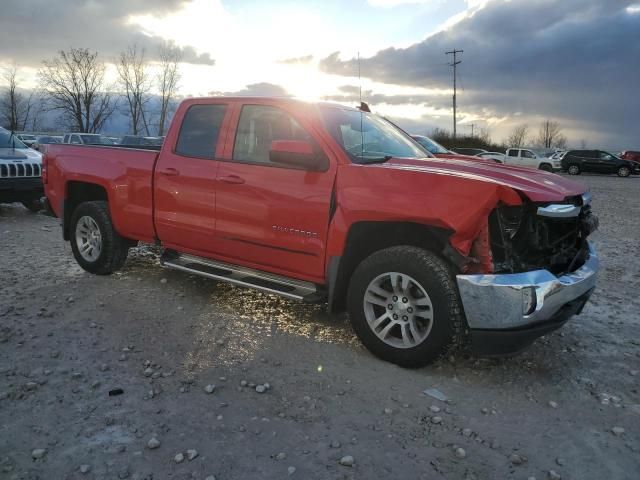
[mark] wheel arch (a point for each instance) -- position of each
(76, 193)
(365, 238)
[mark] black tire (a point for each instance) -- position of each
(436, 278)
(33, 205)
(114, 248)
(624, 171)
(573, 170)
(546, 167)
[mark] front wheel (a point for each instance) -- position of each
(403, 304)
(546, 167)
(624, 172)
(96, 245)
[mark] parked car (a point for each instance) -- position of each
(468, 151)
(86, 139)
(136, 140)
(26, 138)
(45, 140)
(526, 157)
(575, 162)
(630, 155)
(496, 156)
(20, 172)
(438, 150)
(326, 203)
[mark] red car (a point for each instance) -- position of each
(630, 155)
(325, 203)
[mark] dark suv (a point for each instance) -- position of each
(576, 161)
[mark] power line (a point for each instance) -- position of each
(454, 64)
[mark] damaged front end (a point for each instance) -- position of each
(533, 236)
(539, 270)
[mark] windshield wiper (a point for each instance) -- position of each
(376, 160)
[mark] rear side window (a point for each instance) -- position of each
(513, 153)
(200, 130)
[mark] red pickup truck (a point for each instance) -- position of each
(326, 203)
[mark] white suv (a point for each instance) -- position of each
(528, 158)
(20, 172)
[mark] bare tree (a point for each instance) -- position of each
(74, 82)
(168, 79)
(136, 83)
(484, 135)
(518, 137)
(15, 107)
(550, 135)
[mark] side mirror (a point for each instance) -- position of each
(299, 154)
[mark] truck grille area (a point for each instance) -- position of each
(16, 170)
(522, 240)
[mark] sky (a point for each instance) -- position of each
(573, 61)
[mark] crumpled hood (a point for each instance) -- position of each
(537, 185)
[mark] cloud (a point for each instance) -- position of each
(263, 89)
(32, 30)
(572, 60)
(297, 60)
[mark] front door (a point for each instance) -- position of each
(185, 177)
(269, 215)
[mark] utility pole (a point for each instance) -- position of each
(471, 125)
(454, 52)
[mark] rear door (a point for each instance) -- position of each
(185, 178)
(591, 161)
(270, 216)
(512, 156)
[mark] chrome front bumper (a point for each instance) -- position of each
(520, 300)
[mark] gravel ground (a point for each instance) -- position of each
(224, 382)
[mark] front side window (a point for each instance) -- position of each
(75, 139)
(528, 154)
(607, 156)
(260, 125)
(200, 130)
(367, 137)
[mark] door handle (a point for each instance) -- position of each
(233, 179)
(169, 172)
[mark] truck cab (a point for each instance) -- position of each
(528, 158)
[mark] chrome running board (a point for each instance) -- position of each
(242, 276)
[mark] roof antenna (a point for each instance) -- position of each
(361, 114)
(363, 106)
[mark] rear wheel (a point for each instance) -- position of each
(573, 170)
(546, 167)
(624, 171)
(97, 247)
(403, 305)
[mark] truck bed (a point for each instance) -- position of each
(125, 173)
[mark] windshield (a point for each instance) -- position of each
(367, 137)
(95, 140)
(430, 145)
(7, 142)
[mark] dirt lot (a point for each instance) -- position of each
(68, 338)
